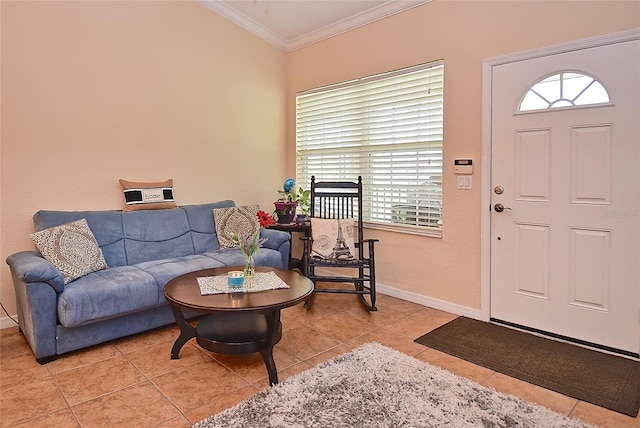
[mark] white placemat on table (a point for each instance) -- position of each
(260, 282)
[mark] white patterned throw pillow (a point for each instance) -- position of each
(71, 248)
(241, 220)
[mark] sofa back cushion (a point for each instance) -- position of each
(203, 230)
(156, 235)
(128, 238)
(106, 226)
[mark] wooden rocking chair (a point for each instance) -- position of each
(339, 201)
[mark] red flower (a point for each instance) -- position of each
(265, 219)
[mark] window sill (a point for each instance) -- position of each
(410, 230)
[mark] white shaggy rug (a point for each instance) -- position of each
(375, 386)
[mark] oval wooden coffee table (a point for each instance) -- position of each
(235, 323)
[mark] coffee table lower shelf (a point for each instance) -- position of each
(233, 333)
(234, 323)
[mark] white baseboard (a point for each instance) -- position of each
(7, 322)
(431, 302)
(423, 300)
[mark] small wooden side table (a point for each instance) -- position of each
(294, 263)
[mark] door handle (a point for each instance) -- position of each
(499, 208)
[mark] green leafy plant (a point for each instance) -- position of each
(295, 194)
(303, 198)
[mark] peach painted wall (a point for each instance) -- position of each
(463, 33)
(97, 91)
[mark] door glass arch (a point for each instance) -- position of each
(565, 89)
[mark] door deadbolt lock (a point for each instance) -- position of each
(499, 208)
(499, 190)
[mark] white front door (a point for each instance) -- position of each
(565, 252)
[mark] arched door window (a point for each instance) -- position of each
(565, 89)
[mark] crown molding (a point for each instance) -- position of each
(245, 22)
(384, 10)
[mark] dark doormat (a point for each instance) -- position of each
(604, 380)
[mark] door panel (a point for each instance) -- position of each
(532, 260)
(591, 164)
(565, 250)
(532, 165)
(589, 257)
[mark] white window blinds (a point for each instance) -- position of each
(386, 128)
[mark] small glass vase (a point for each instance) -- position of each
(249, 267)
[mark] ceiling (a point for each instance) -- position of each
(292, 24)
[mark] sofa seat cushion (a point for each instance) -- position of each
(106, 294)
(165, 270)
(234, 257)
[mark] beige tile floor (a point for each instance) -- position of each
(132, 382)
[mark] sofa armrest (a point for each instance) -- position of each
(30, 266)
(36, 302)
(278, 240)
(275, 238)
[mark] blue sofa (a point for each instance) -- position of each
(144, 250)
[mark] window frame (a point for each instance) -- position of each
(428, 147)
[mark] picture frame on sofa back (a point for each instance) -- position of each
(64, 309)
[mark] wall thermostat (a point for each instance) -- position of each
(463, 166)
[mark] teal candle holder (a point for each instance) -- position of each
(235, 278)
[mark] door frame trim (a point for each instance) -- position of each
(487, 76)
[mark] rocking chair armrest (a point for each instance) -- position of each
(369, 245)
(370, 242)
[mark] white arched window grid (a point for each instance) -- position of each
(559, 101)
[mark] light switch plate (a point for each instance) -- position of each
(464, 182)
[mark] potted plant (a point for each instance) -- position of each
(291, 198)
(285, 205)
(303, 198)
